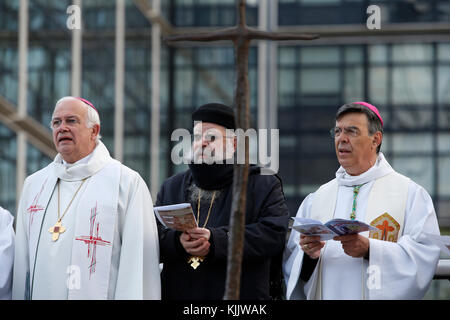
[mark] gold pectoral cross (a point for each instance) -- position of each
(195, 261)
(56, 230)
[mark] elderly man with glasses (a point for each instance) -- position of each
(85, 228)
(396, 260)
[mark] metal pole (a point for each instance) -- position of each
(273, 67)
(119, 80)
(155, 120)
(262, 66)
(267, 67)
(21, 169)
(77, 56)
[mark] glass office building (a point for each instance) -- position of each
(296, 87)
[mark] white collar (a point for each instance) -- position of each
(83, 168)
(81, 161)
(378, 170)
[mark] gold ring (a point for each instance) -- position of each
(305, 247)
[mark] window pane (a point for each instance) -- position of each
(316, 144)
(443, 142)
(412, 118)
(353, 54)
(443, 211)
(378, 53)
(354, 81)
(287, 55)
(8, 168)
(444, 173)
(286, 87)
(412, 142)
(444, 52)
(378, 85)
(412, 85)
(412, 53)
(320, 55)
(184, 81)
(317, 172)
(217, 83)
(419, 169)
(444, 84)
(444, 118)
(319, 2)
(319, 81)
(288, 141)
(8, 73)
(287, 119)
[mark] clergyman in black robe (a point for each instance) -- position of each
(208, 187)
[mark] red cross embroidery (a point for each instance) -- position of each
(92, 240)
(385, 227)
(35, 207)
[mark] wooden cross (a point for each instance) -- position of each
(241, 35)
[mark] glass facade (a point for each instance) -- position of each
(206, 13)
(409, 81)
(9, 90)
(334, 12)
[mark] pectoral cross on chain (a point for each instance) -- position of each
(56, 230)
(240, 35)
(195, 261)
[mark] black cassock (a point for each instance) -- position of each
(265, 234)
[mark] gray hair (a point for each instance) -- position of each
(374, 123)
(206, 195)
(92, 117)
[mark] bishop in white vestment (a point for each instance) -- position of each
(6, 253)
(396, 262)
(85, 223)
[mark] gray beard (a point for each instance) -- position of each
(206, 195)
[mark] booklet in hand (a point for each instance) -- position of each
(179, 217)
(331, 229)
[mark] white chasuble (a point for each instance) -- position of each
(85, 261)
(400, 210)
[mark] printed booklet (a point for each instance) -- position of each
(176, 216)
(331, 229)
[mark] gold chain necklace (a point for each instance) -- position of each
(195, 261)
(57, 229)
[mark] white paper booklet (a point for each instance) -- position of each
(331, 229)
(176, 216)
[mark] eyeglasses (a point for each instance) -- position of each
(70, 121)
(350, 132)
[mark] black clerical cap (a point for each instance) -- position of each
(215, 113)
